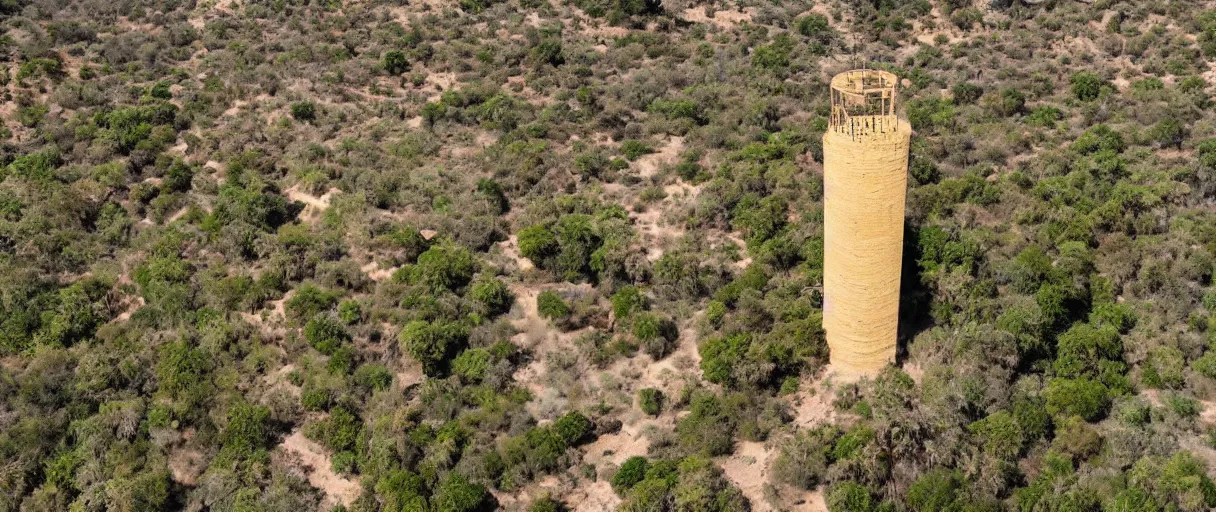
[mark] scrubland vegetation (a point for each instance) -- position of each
(559, 255)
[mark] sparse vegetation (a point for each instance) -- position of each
(428, 255)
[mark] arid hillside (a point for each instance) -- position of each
(546, 255)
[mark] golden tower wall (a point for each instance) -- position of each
(865, 160)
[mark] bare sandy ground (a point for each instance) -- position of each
(314, 462)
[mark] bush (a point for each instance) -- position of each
(805, 458)
(816, 27)
(350, 311)
(1205, 365)
(634, 149)
(373, 377)
(546, 503)
(537, 243)
(433, 344)
(339, 431)
(472, 364)
(1000, 435)
(493, 294)
(1045, 116)
(1082, 397)
(395, 63)
(651, 401)
(550, 305)
(630, 473)
(1083, 347)
(1086, 86)
(935, 491)
(657, 336)
(1010, 102)
(1164, 368)
(573, 428)
(548, 52)
(967, 93)
(247, 431)
(849, 497)
(457, 494)
(708, 430)
(310, 301)
(343, 463)
(444, 266)
(626, 301)
(325, 334)
(304, 111)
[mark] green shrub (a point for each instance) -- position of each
(999, 434)
(573, 428)
(1008, 103)
(325, 334)
(350, 311)
(849, 445)
(1086, 86)
(310, 301)
(849, 497)
(493, 294)
(304, 111)
(433, 344)
(537, 243)
(633, 149)
(472, 364)
(804, 459)
(629, 474)
(966, 93)
(1044, 116)
(935, 491)
(651, 401)
(395, 62)
(1082, 348)
(246, 432)
(816, 27)
(343, 462)
(373, 376)
(626, 301)
(549, 52)
(1164, 368)
(708, 430)
(656, 335)
(316, 399)
(551, 305)
(1205, 365)
(444, 266)
(715, 313)
(340, 430)
(160, 90)
(457, 494)
(1082, 397)
(546, 503)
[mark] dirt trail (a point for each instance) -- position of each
(813, 401)
(725, 20)
(321, 203)
(748, 470)
(665, 374)
(510, 249)
(375, 273)
(316, 465)
(648, 165)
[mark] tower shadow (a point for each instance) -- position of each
(914, 297)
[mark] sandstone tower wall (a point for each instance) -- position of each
(865, 186)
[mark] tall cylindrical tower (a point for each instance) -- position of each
(865, 162)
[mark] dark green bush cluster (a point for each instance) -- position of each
(692, 483)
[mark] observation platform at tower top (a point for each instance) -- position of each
(863, 105)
